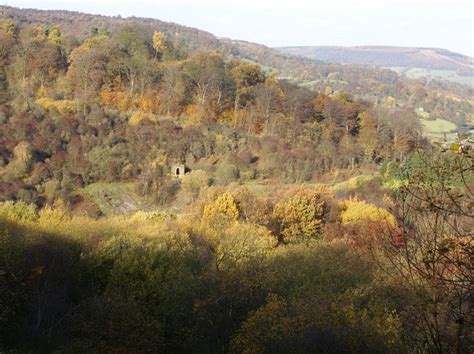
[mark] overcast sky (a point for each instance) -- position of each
(427, 23)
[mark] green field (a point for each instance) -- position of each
(450, 75)
(439, 129)
(115, 198)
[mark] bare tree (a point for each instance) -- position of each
(431, 254)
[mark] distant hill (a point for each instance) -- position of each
(436, 63)
(382, 56)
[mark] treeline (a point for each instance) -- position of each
(364, 82)
(124, 106)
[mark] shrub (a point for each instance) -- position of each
(18, 211)
(242, 243)
(139, 116)
(227, 173)
(52, 216)
(300, 215)
(222, 211)
(253, 209)
(154, 216)
(195, 182)
(358, 211)
(166, 192)
(62, 106)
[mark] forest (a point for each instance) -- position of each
(314, 214)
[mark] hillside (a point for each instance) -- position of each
(164, 190)
(79, 25)
(430, 59)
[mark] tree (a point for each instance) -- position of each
(36, 63)
(299, 216)
(245, 77)
(160, 44)
(222, 211)
(431, 255)
(132, 60)
(368, 134)
(172, 91)
(266, 101)
(88, 68)
(406, 129)
(242, 244)
(209, 79)
(195, 181)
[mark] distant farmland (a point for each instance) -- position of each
(439, 129)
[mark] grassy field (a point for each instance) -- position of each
(438, 129)
(115, 198)
(450, 75)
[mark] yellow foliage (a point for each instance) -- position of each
(242, 242)
(221, 211)
(53, 216)
(226, 116)
(65, 106)
(8, 26)
(194, 114)
(18, 211)
(22, 151)
(62, 106)
(42, 91)
(146, 103)
(389, 101)
(138, 116)
(358, 211)
(123, 101)
(107, 98)
(54, 35)
(153, 216)
(87, 45)
(352, 183)
(159, 42)
(300, 215)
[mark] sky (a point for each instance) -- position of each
(419, 23)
